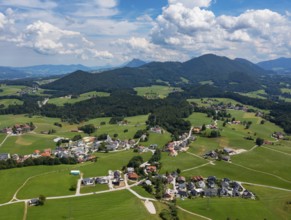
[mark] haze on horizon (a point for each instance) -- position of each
(98, 32)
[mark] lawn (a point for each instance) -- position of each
(155, 91)
(141, 191)
(115, 205)
(198, 119)
(67, 100)
(96, 188)
(52, 184)
(271, 204)
(12, 212)
(182, 161)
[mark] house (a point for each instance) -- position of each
(88, 181)
(182, 193)
(211, 192)
(157, 130)
(5, 156)
(101, 180)
(34, 202)
(225, 158)
(130, 169)
(201, 184)
(278, 135)
(247, 195)
(181, 179)
(116, 174)
(197, 130)
(132, 176)
(151, 169)
(148, 182)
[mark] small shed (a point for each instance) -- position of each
(75, 172)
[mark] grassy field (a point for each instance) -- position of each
(52, 184)
(259, 94)
(208, 82)
(182, 161)
(285, 90)
(154, 92)
(96, 188)
(115, 205)
(10, 90)
(231, 170)
(7, 102)
(110, 161)
(27, 143)
(271, 205)
(12, 179)
(66, 100)
(12, 212)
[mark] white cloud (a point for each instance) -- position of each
(142, 48)
(46, 38)
(192, 3)
(3, 20)
(30, 3)
(197, 31)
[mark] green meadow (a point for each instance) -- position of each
(115, 205)
(7, 102)
(10, 90)
(270, 204)
(155, 91)
(85, 96)
(12, 212)
(259, 94)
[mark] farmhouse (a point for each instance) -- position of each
(33, 202)
(75, 172)
(4, 156)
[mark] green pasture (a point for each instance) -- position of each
(259, 94)
(51, 184)
(65, 100)
(223, 169)
(156, 91)
(198, 119)
(7, 102)
(182, 161)
(141, 191)
(12, 212)
(27, 143)
(207, 82)
(95, 188)
(12, 179)
(10, 90)
(262, 159)
(115, 205)
(270, 204)
(110, 161)
(285, 90)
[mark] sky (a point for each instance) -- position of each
(111, 32)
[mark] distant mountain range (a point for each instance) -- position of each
(281, 65)
(50, 70)
(222, 72)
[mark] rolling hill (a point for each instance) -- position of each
(234, 75)
(281, 65)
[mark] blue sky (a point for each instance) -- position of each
(101, 32)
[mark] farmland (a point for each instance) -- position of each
(154, 92)
(272, 170)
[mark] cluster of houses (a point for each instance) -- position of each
(18, 129)
(209, 187)
(28, 90)
(179, 146)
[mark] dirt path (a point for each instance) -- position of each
(4, 140)
(25, 211)
(192, 213)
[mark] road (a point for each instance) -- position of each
(4, 140)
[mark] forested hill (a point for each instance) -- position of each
(234, 75)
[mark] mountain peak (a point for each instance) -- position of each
(135, 63)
